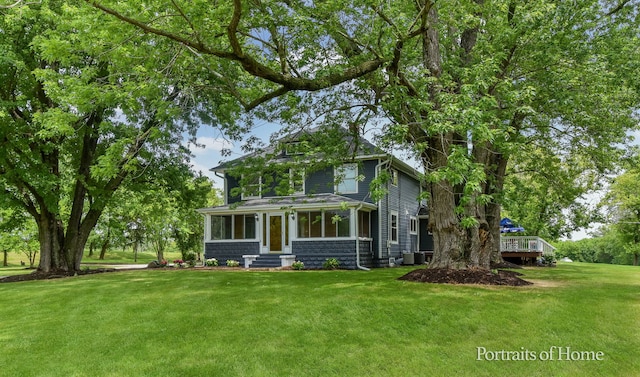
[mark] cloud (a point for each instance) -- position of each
(211, 144)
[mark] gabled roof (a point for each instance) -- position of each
(318, 201)
(364, 147)
(365, 150)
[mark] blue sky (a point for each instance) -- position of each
(214, 142)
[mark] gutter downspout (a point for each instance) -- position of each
(361, 267)
(382, 162)
(224, 190)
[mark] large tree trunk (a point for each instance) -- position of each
(448, 237)
(5, 258)
(51, 237)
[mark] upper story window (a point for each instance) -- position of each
(394, 176)
(252, 188)
(292, 148)
(347, 179)
(393, 226)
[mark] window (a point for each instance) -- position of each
(336, 224)
(413, 225)
(347, 179)
(237, 227)
(364, 224)
(221, 227)
(251, 187)
(292, 148)
(317, 224)
(296, 179)
(393, 226)
(309, 224)
(394, 177)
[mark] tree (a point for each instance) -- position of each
(19, 234)
(85, 108)
(546, 195)
(11, 221)
(464, 86)
(188, 233)
(623, 209)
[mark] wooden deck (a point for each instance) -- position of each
(524, 249)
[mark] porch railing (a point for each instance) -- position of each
(526, 244)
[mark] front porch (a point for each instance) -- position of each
(524, 249)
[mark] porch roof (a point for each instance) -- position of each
(318, 201)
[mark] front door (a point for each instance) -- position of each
(276, 233)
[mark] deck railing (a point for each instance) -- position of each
(526, 244)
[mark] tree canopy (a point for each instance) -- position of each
(86, 107)
(622, 204)
(466, 86)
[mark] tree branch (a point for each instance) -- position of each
(18, 2)
(250, 64)
(618, 8)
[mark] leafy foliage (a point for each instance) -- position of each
(87, 106)
(331, 264)
(622, 203)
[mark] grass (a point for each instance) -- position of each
(112, 257)
(317, 323)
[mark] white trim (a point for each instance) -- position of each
(278, 206)
(209, 222)
(413, 225)
(352, 235)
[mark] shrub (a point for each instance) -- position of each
(297, 265)
(331, 264)
(232, 263)
(189, 256)
(211, 262)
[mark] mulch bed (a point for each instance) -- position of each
(39, 275)
(470, 276)
(422, 275)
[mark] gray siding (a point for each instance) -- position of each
(402, 198)
(319, 182)
(232, 183)
(230, 250)
(314, 253)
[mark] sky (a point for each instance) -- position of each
(214, 142)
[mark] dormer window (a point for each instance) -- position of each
(292, 148)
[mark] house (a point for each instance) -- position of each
(324, 213)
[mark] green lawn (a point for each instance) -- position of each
(318, 323)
